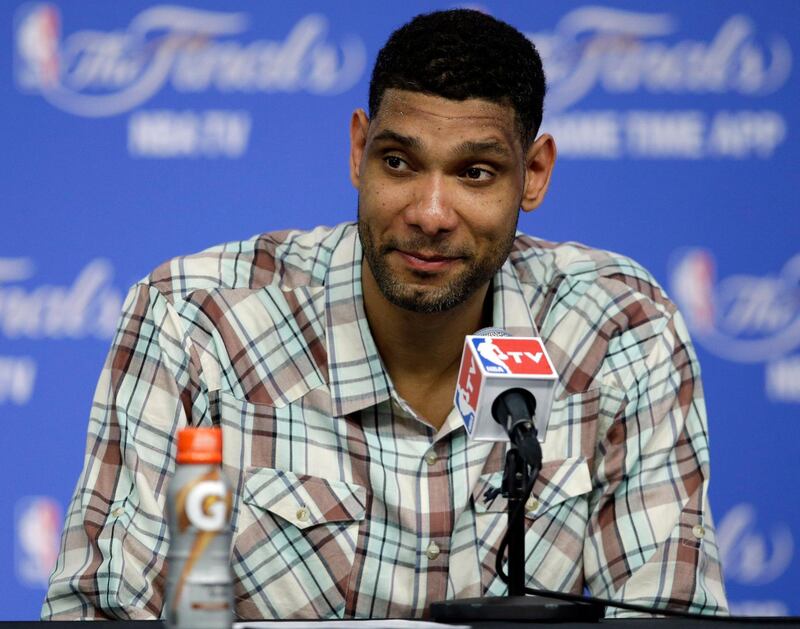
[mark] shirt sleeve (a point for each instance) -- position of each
(111, 561)
(650, 537)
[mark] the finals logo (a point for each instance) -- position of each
(744, 318)
(97, 73)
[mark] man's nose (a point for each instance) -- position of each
(432, 208)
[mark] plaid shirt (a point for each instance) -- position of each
(348, 504)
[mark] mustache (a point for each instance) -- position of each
(425, 245)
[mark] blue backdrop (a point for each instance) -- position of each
(133, 132)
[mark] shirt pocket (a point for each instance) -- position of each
(295, 544)
(556, 516)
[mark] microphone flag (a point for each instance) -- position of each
(491, 365)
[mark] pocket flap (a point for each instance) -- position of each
(557, 481)
(303, 500)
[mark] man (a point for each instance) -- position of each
(329, 360)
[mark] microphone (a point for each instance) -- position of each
(505, 390)
(515, 410)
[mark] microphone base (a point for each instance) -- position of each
(521, 608)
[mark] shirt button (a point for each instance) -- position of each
(431, 458)
(433, 550)
(118, 512)
(532, 504)
(302, 514)
(698, 531)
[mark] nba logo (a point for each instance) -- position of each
(38, 530)
(36, 48)
(492, 357)
(468, 389)
(692, 280)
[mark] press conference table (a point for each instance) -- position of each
(630, 623)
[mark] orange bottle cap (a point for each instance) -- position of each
(200, 445)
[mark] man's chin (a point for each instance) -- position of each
(422, 289)
(421, 306)
(426, 298)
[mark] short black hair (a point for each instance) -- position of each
(461, 54)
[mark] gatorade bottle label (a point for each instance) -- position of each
(205, 505)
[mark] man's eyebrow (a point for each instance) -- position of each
(468, 147)
(472, 147)
(404, 140)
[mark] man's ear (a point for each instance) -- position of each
(539, 161)
(359, 125)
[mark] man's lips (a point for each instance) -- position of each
(426, 262)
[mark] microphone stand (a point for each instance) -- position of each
(517, 484)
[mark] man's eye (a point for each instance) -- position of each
(395, 163)
(477, 174)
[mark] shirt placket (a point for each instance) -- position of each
(433, 546)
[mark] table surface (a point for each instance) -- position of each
(626, 623)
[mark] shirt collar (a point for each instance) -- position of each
(356, 375)
(357, 379)
(511, 303)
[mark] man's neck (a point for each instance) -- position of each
(422, 351)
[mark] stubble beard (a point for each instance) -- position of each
(431, 299)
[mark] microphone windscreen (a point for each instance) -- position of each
(491, 332)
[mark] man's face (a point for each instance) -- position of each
(440, 185)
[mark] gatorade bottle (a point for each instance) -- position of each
(199, 498)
